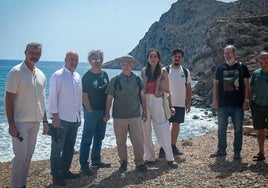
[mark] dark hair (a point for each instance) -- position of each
(178, 50)
(148, 70)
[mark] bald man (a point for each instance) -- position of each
(65, 106)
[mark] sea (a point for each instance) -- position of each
(197, 122)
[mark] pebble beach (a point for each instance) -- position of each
(196, 168)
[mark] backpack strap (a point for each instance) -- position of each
(184, 70)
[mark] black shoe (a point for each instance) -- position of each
(172, 164)
(123, 167)
(237, 156)
(149, 162)
(70, 175)
(141, 168)
(176, 150)
(86, 170)
(101, 165)
(59, 181)
(218, 153)
(161, 153)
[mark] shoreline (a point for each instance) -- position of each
(196, 168)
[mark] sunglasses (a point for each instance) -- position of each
(95, 60)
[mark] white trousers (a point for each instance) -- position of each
(156, 118)
(23, 152)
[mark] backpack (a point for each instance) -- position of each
(118, 85)
(184, 70)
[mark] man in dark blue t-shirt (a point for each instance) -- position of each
(231, 98)
(94, 84)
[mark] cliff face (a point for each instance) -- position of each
(202, 29)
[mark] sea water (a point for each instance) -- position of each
(197, 122)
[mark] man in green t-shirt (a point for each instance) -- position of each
(258, 93)
(127, 96)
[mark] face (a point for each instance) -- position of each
(229, 55)
(71, 61)
(153, 59)
(33, 55)
(126, 67)
(95, 61)
(177, 59)
(263, 60)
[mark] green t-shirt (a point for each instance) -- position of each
(126, 102)
(259, 82)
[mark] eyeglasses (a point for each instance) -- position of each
(95, 60)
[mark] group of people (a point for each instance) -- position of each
(139, 104)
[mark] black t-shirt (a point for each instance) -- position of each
(231, 85)
(95, 85)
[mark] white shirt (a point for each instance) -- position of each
(65, 95)
(177, 86)
(29, 104)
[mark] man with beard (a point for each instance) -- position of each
(181, 93)
(230, 98)
(25, 109)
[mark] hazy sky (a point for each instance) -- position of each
(113, 26)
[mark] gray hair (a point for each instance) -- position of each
(92, 53)
(232, 47)
(33, 45)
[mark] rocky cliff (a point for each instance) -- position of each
(202, 29)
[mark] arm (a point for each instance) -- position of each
(247, 95)
(108, 107)
(188, 97)
(215, 94)
(9, 100)
(86, 102)
(166, 85)
(45, 124)
(143, 105)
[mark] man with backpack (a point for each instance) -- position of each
(127, 95)
(181, 93)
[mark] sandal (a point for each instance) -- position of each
(259, 157)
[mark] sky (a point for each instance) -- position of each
(113, 26)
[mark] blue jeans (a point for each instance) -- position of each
(62, 150)
(94, 128)
(237, 115)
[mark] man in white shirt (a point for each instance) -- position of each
(25, 109)
(181, 93)
(65, 105)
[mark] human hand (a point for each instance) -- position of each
(45, 128)
(13, 131)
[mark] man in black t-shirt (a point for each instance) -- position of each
(94, 84)
(231, 98)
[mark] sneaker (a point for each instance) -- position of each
(141, 168)
(101, 165)
(161, 153)
(172, 164)
(237, 156)
(176, 150)
(70, 175)
(58, 181)
(86, 170)
(259, 157)
(218, 153)
(123, 167)
(146, 162)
